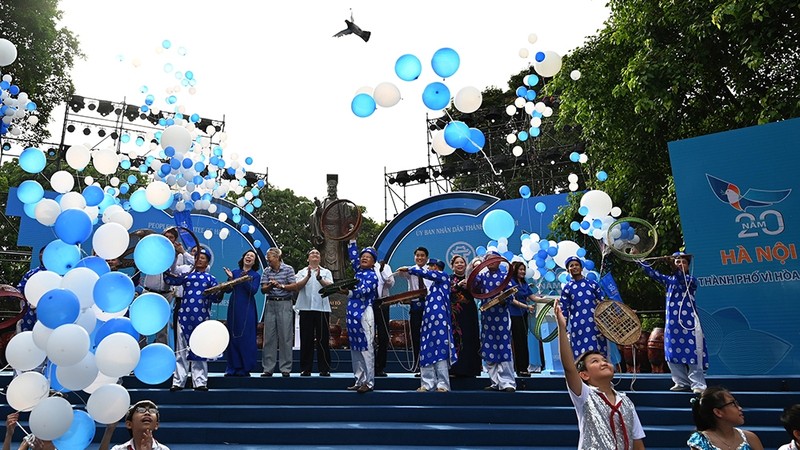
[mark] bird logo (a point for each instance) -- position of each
(730, 193)
(352, 28)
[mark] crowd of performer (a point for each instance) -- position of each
(449, 337)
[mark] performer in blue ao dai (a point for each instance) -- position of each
(437, 352)
(496, 331)
(579, 297)
(360, 317)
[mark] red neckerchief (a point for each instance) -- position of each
(615, 410)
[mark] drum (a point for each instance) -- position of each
(398, 340)
(655, 351)
(640, 349)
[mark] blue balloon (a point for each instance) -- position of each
(50, 374)
(475, 142)
(113, 292)
(508, 255)
(156, 364)
(544, 244)
(540, 262)
(550, 276)
(530, 95)
(154, 254)
(491, 243)
(57, 307)
(408, 67)
(552, 251)
(521, 91)
(522, 136)
(588, 264)
(592, 276)
(30, 192)
(257, 243)
(602, 176)
(363, 105)
(525, 191)
(149, 313)
(115, 325)
(93, 195)
(574, 156)
(498, 224)
(540, 207)
(480, 250)
(436, 96)
(539, 56)
(80, 433)
(73, 226)
(541, 253)
(97, 264)
(581, 252)
(574, 226)
(59, 256)
(583, 210)
(30, 209)
(32, 160)
(456, 134)
(445, 62)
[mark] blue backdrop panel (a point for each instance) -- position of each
(738, 201)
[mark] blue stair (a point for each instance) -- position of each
(311, 412)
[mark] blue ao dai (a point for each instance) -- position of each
(578, 301)
(436, 335)
(495, 321)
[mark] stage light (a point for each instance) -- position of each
(403, 178)
(131, 112)
(77, 103)
(104, 108)
(87, 131)
(71, 128)
(101, 132)
(421, 175)
(392, 180)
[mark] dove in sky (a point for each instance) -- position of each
(352, 28)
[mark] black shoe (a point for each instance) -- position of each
(363, 389)
(354, 387)
(285, 374)
(304, 374)
(324, 374)
(201, 388)
(266, 374)
(417, 375)
(175, 388)
(381, 374)
(524, 374)
(491, 388)
(509, 389)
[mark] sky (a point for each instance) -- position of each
(284, 84)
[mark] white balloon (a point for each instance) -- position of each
(511, 138)
(106, 160)
(177, 137)
(208, 234)
(386, 94)
(517, 150)
(575, 75)
(109, 403)
(511, 110)
(565, 250)
(78, 376)
(532, 38)
(468, 99)
(123, 218)
(81, 281)
(616, 211)
(27, 390)
(523, 53)
(100, 380)
(39, 283)
(51, 418)
(520, 102)
(41, 334)
(8, 52)
(117, 354)
(157, 193)
(110, 240)
(47, 211)
(72, 200)
(223, 233)
(364, 90)
(111, 209)
(598, 203)
(572, 178)
(440, 145)
(68, 344)
(550, 65)
(62, 182)
(209, 339)
(22, 352)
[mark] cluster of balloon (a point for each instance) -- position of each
(236, 218)
(598, 213)
(15, 105)
(542, 257)
(86, 341)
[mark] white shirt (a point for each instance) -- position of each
(413, 280)
(385, 279)
(129, 446)
(308, 298)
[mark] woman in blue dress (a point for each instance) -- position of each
(519, 310)
(241, 355)
(466, 332)
(578, 300)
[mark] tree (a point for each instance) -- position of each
(46, 53)
(664, 71)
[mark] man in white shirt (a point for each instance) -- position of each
(315, 314)
(417, 304)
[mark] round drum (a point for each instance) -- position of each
(640, 348)
(655, 351)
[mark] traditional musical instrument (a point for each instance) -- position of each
(475, 290)
(340, 220)
(336, 286)
(404, 297)
(617, 322)
(496, 300)
(222, 287)
(630, 238)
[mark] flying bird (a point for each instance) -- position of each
(352, 28)
(731, 194)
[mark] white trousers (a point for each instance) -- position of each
(199, 369)
(364, 360)
(436, 375)
(688, 375)
(502, 374)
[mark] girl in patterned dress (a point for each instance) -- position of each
(717, 414)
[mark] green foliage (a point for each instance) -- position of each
(663, 71)
(46, 53)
